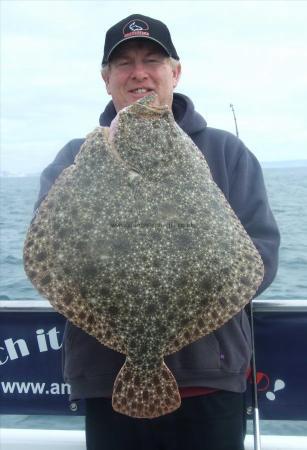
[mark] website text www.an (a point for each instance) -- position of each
(35, 388)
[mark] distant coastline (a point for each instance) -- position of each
(264, 164)
(5, 174)
(283, 164)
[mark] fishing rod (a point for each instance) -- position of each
(256, 419)
(249, 308)
(234, 117)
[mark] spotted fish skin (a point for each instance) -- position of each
(136, 245)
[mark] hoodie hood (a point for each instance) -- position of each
(183, 109)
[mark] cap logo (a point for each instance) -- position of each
(136, 28)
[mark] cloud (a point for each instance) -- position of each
(250, 53)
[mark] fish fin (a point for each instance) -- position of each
(199, 327)
(145, 394)
(71, 305)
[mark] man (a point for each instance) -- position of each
(139, 57)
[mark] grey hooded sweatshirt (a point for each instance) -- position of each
(221, 359)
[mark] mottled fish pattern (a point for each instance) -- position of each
(136, 245)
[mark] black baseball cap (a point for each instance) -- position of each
(137, 26)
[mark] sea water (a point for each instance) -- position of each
(287, 192)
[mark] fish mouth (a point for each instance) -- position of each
(151, 102)
(145, 101)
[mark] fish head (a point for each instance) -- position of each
(144, 134)
(147, 107)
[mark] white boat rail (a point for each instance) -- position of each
(12, 439)
(267, 306)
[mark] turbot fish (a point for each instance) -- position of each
(136, 245)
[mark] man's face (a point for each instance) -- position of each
(137, 68)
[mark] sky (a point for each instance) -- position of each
(252, 54)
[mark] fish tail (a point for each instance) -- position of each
(145, 393)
